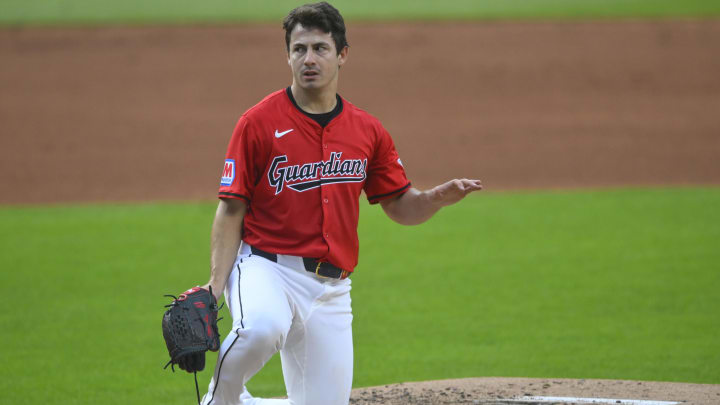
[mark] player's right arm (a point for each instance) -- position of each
(225, 241)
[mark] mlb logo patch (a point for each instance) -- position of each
(228, 174)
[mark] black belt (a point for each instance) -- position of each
(322, 269)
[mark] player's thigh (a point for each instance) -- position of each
(255, 295)
(318, 360)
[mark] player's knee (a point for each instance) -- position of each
(331, 396)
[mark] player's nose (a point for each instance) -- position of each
(309, 58)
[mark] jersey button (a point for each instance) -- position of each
(326, 201)
(327, 235)
(325, 146)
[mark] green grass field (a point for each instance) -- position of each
(64, 12)
(619, 284)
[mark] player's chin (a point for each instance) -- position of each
(312, 82)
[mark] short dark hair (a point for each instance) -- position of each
(322, 16)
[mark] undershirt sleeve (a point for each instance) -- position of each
(239, 170)
(386, 174)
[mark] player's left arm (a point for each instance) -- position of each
(415, 207)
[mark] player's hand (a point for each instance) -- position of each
(453, 191)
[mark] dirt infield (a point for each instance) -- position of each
(532, 391)
(146, 113)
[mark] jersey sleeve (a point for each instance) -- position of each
(385, 175)
(240, 170)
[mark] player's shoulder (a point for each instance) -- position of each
(359, 115)
(268, 106)
(253, 123)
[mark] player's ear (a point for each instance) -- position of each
(343, 55)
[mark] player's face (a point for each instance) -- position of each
(313, 58)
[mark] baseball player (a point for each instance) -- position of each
(284, 238)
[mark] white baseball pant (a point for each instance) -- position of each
(282, 307)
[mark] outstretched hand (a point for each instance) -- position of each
(453, 191)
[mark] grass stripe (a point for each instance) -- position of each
(101, 12)
(590, 284)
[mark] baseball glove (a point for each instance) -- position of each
(190, 329)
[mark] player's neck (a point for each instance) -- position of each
(317, 101)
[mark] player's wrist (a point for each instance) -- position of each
(215, 287)
(434, 197)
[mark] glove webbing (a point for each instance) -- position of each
(171, 364)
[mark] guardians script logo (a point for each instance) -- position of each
(315, 174)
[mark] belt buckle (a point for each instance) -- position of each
(317, 269)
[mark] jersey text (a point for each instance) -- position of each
(315, 174)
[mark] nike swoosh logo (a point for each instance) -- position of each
(281, 134)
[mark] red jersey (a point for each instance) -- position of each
(302, 182)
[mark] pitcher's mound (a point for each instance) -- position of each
(482, 391)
